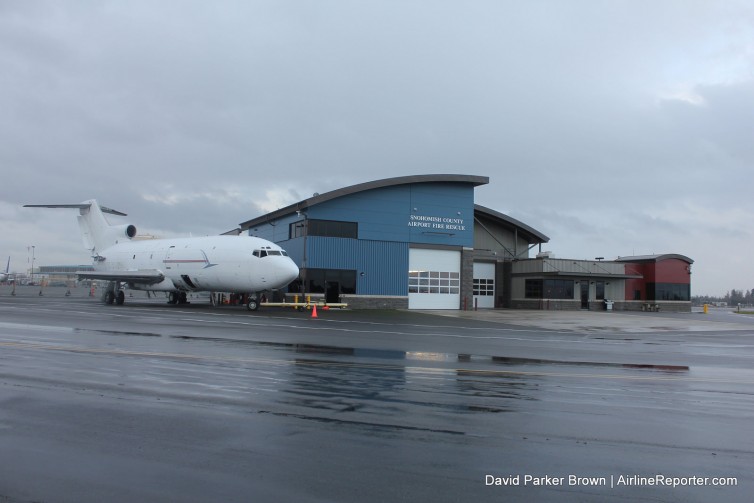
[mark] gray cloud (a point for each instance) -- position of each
(612, 127)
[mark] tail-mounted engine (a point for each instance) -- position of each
(126, 230)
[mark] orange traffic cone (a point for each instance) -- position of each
(314, 310)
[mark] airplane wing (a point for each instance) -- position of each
(143, 276)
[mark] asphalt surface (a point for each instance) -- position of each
(150, 402)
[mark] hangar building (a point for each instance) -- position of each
(420, 242)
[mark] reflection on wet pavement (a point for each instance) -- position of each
(374, 386)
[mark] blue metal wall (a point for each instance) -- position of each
(389, 218)
(276, 231)
(381, 266)
(385, 214)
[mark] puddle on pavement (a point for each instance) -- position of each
(537, 361)
(429, 356)
(116, 332)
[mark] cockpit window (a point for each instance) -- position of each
(268, 251)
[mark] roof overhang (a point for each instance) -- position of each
(579, 275)
(532, 235)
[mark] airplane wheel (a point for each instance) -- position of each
(252, 305)
(120, 298)
(109, 297)
(172, 298)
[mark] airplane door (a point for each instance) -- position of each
(169, 258)
(185, 267)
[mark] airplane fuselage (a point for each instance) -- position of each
(213, 263)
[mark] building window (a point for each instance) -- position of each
(558, 289)
(323, 228)
(484, 287)
(669, 291)
(297, 229)
(319, 280)
(439, 282)
(600, 290)
(533, 289)
(549, 289)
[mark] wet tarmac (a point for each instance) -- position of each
(150, 402)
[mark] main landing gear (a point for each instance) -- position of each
(113, 294)
(177, 298)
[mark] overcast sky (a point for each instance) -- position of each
(615, 128)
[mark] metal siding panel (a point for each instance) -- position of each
(277, 231)
(502, 238)
(445, 201)
(295, 249)
(330, 253)
(384, 263)
(386, 268)
(381, 214)
(385, 214)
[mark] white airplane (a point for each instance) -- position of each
(239, 264)
(5, 275)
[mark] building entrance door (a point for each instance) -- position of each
(332, 295)
(584, 294)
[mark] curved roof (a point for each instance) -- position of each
(362, 187)
(531, 234)
(655, 258)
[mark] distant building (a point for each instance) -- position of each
(59, 274)
(663, 278)
(656, 282)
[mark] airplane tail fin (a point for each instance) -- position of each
(7, 267)
(96, 232)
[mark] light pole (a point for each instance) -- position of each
(32, 264)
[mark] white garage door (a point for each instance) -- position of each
(434, 279)
(484, 285)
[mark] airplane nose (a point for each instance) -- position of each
(288, 271)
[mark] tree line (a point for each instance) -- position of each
(732, 298)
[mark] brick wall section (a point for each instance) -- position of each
(360, 301)
(598, 305)
(665, 306)
(551, 305)
(467, 278)
(374, 302)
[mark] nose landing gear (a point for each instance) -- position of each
(252, 304)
